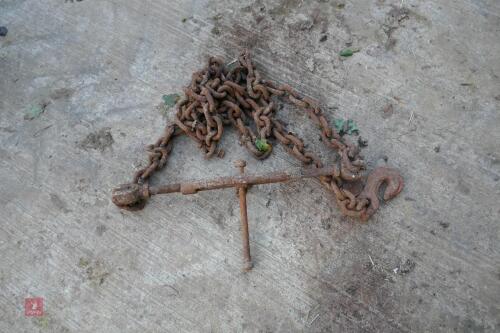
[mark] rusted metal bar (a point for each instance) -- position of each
(235, 181)
(245, 238)
(131, 194)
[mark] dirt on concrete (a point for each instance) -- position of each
(99, 140)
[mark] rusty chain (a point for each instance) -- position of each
(237, 95)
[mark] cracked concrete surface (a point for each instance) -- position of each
(429, 261)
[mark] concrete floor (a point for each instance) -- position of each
(429, 261)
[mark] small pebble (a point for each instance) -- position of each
(444, 225)
(437, 149)
(388, 111)
(3, 31)
(362, 142)
(323, 38)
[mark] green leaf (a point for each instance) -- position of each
(348, 52)
(262, 145)
(83, 262)
(217, 17)
(339, 125)
(352, 127)
(170, 99)
(345, 127)
(34, 112)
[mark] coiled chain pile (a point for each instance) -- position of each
(237, 95)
